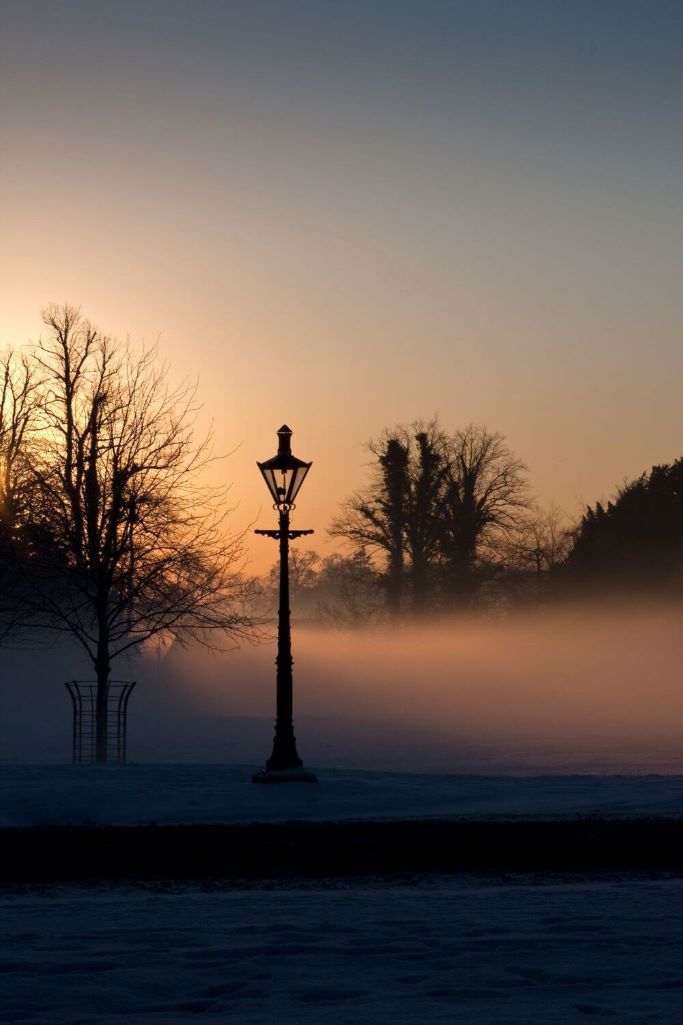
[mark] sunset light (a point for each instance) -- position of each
(429, 250)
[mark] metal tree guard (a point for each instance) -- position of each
(83, 694)
(284, 474)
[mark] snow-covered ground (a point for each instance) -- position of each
(439, 952)
(170, 794)
(489, 951)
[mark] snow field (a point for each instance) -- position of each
(175, 794)
(439, 952)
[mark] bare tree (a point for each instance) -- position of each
(374, 519)
(350, 593)
(133, 543)
(484, 496)
(19, 416)
(303, 574)
(426, 481)
(543, 539)
(438, 506)
(19, 420)
(396, 514)
(536, 549)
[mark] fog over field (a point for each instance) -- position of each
(581, 690)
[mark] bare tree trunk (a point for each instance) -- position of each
(462, 579)
(420, 589)
(394, 584)
(102, 669)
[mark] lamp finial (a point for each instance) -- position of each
(285, 436)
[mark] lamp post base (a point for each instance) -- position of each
(295, 775)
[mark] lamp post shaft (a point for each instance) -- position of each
(284, 474)
(285, 755)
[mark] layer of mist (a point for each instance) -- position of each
(584, 690)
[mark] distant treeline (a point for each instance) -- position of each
(445, 522)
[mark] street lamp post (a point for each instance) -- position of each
(284, 474)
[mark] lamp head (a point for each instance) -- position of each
(284, 473)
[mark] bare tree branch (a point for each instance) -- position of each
(133, 542)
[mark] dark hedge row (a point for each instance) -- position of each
(319, 850)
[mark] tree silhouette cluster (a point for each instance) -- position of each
(107, 531)
(338, 590)
(439, 508)
(447, 522)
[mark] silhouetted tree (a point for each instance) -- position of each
(340, 590)
(303, 574)
(397, 513)
(536, 550)
(637, 537)
(438, 506)
(349, 591)
(133, 543)
(484, 495)
(374, 519)
(19, 424)
(428, 474)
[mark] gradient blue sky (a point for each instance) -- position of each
(345, 215)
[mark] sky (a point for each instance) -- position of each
(348, 215)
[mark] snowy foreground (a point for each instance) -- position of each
(478, 950)
(436, 952)
(173, 794)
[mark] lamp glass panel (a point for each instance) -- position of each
(297, 479)
(270, 478)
